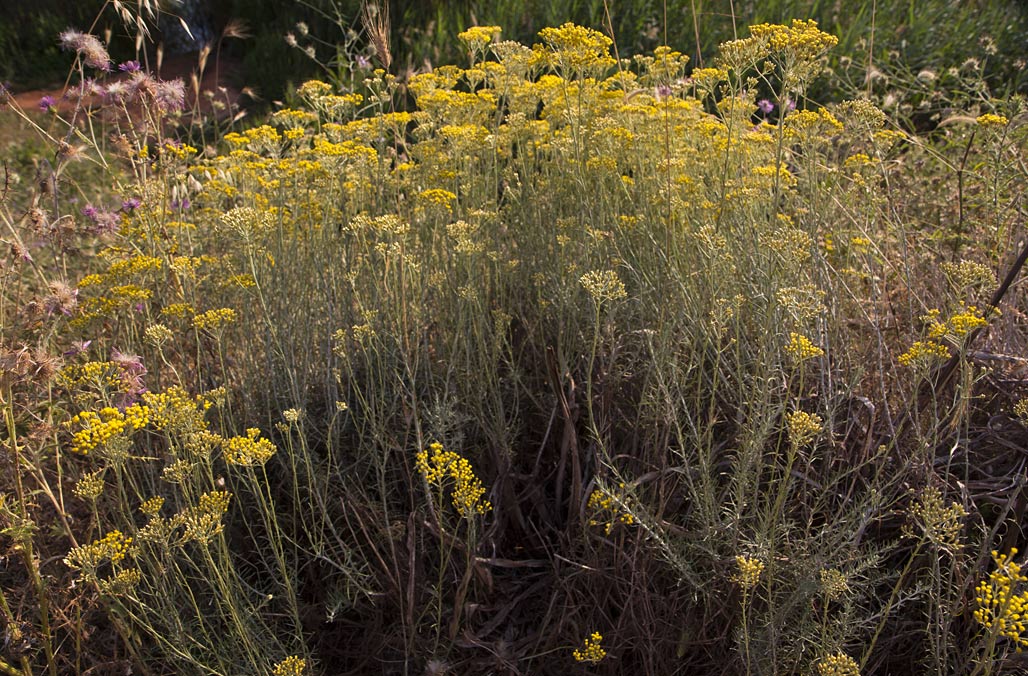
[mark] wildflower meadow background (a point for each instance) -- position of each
(602, 348)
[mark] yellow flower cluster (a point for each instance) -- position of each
(803, 427)
(122, 582)
(247, 451)
(152, 506)
(941, 524)
(1021, 411)
(93, 375)
(959, 324)
(133, 265)
(439, 466)
(437, 197)
(176, 411)
(968, 274)
(113, 547)
(212, 320)
(708, 78)
(157, 335)
(202, 522)
(1000, 610)
(800, 348)
(477, 37)
(181, 152)
(90, 486)
(591, 650)
(922, 354)
(748, 574)
(802, 39)
(290, 666)
(839, 664)
(578, 50)
(833, 583)
(992, 120)
(98, 428)
(603, 504)
(603, 285)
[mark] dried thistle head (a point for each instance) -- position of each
(89, 47)
(63, 298)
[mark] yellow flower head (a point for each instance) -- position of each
(477, 37)
(290, 666)
(591, 650)
(801, 349)
(839, 664)
(748, 574)
(1001, 609)
(441, 467)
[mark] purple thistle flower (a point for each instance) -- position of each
(765, 106)
(170, 95)
(132, 373)
(130, 204)
(663, 91)
(129, 66)
(104, 222)
(117, 92)
(363, 62)
(181, 205)
(46, 103)
(790, 105)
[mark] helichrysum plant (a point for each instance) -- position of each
(695, 281)
(1001, 606)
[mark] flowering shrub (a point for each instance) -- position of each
(575, 272)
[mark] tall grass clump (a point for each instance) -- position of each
(576, 364)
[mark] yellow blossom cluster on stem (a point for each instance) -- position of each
(958, 325)
(477, 37)
(202, 522)
(940, 523)
(748, 571)
(578, 50)
(113, 547)
(248, 450)
(803, 427)
(839, 664)
(290, 666)
(212, 320)
(833, 583)
(591, 650)
(802, 38)
(923, 354)
(800, 348)
(441, 467)
(98, 428)
(1001, 609)
(176, 411)
(992, 120)
(602, 504)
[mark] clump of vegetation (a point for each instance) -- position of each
(582, 363)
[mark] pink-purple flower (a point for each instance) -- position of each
(46, 102)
